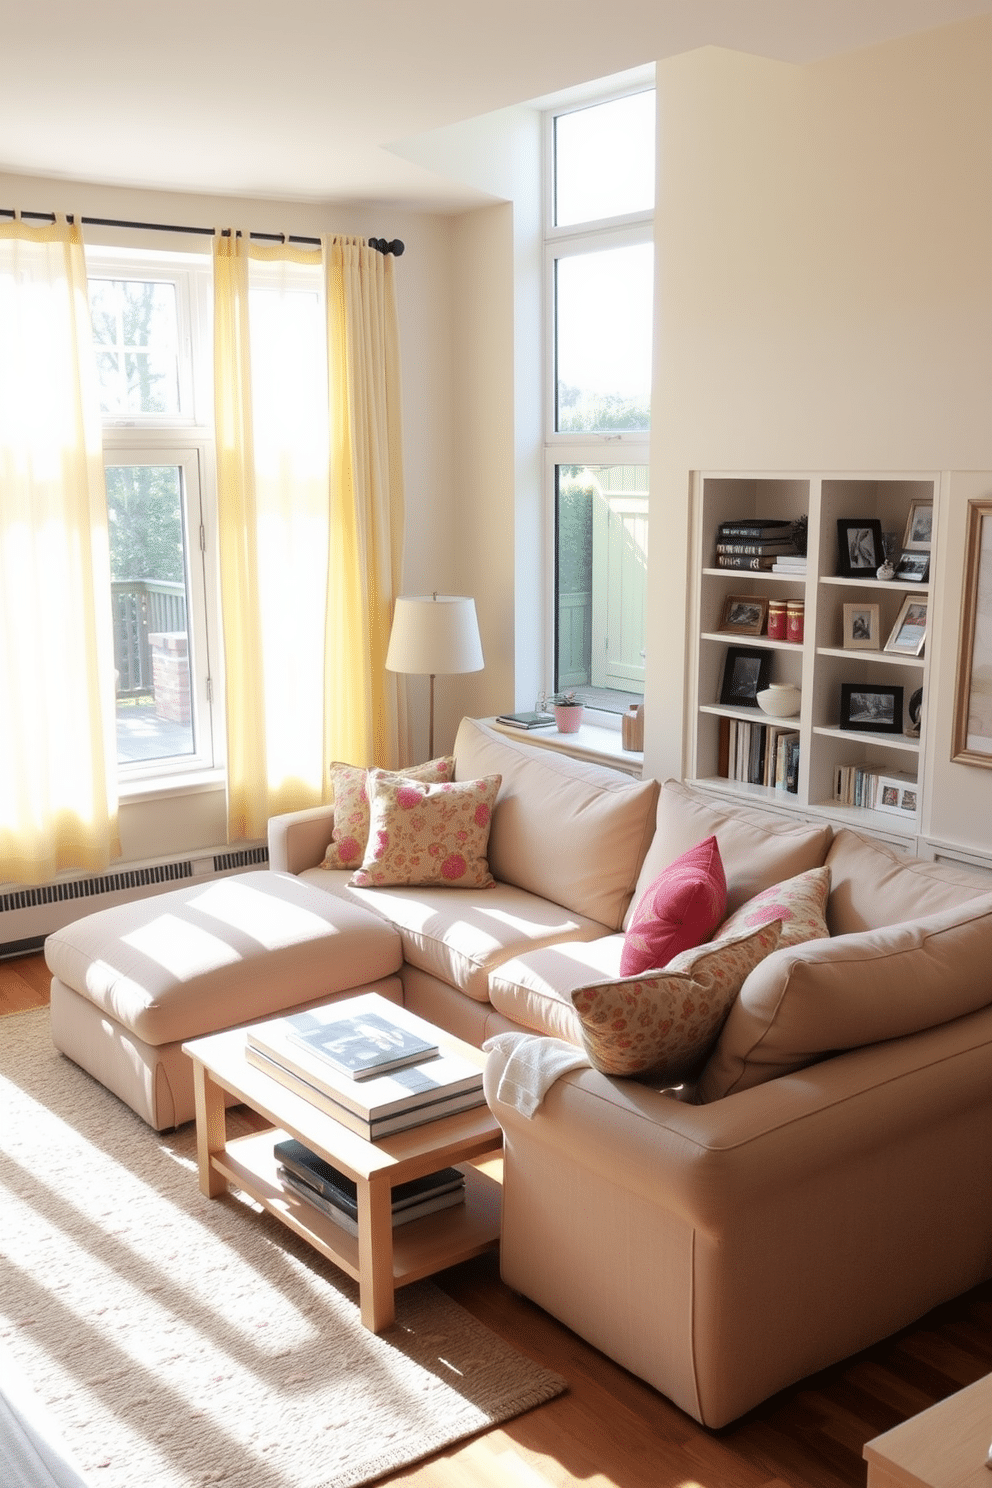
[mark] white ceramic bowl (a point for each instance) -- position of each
(779, 700)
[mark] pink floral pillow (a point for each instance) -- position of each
(664, 1023)
(423, 833)
(800, 903)
(679, 910)
(351, 807)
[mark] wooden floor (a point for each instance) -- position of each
(612, 1429)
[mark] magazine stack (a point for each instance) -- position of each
(336, 1195)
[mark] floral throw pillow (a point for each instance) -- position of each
(800, 903)
(664, 1023)
(423, 833)
(346, 848)
(680, 909)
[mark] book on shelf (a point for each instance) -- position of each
(339, 1189)
(359, 1044)
(759, 753)
(758, 528)
(526, 720)
(349, 1222)
(744, 561)
(871, 789)
(746, 548)
(789, 566)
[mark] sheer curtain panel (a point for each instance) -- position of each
(58, 788)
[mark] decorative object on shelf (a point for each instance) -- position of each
(567, 708)
(914, 712)
(431, 634)
(860, 552)
(800, 534)
(632, 728)
(908, 635)
(744, 614)
(745, 674)
(890, 547)
(886, 572)
(919, 527)
(862, 627)
(913, 568)
(776, 619)
(869, 709)
(795, 621)
(780, 700)
(972, 742)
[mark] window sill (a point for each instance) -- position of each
(160, 787)
(597, 745)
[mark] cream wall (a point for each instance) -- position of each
(824, 301)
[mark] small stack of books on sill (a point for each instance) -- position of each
(756, 543)
(335, 1194)
(367, 1062)
(759, 753)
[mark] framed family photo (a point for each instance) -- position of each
(744, 614)
(909, 633)
(919, 527)
(860, 550)
(913, 567)
(869, 709)
(745, 673)
(862, 627)
(972, 740)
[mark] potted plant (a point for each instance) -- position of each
(567, 708)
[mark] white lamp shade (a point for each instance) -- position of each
(434, 634)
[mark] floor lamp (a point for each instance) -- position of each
(432, 634)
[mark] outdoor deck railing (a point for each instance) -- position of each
(142, 607)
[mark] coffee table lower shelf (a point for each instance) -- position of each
(420, 1248)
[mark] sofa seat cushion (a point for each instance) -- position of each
(871, 885)
(212, 955)
(757, 848)
(535, 989)
(567, 831)
(825, 996)
(461, 935)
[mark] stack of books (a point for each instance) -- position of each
(754, 543)
(336, 1195)
(525, 720)
(790, 565)
(870, 788)
(759, 753)
(367, 1062)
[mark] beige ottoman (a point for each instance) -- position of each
(131, 983)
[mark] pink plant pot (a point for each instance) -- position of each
(568, 719)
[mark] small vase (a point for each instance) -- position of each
(568, 719)
(779, 700)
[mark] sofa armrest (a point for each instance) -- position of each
(299, 839)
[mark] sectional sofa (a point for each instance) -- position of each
(810, 1176)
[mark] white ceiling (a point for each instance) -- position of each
(303, 101)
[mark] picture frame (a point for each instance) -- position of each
(919, 527)
(746, 670)
(913, 567)
(896, 794)
(862, 627)
(744, 614)
(860, 550)
(908, 635)
(870, 708)
(972, 737)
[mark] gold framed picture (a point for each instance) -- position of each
(972, 741)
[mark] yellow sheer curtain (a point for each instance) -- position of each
(309, 536)
(58, 765)
(362, 716)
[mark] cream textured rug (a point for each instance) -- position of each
(181, 1341)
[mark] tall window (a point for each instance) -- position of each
(148, 318)
(600, 270)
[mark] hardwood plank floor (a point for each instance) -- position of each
(610, 1430)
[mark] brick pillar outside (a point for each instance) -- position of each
(170, 675)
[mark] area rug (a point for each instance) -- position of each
(179, 1341)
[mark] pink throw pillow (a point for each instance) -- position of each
(350, 834)
(426, 833)
(678, 911)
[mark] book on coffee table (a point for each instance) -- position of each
(374, 1107)
(341, 1190)
(360, 1044)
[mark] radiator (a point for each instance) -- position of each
(27, 915)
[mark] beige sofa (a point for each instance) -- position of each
(824, 1183)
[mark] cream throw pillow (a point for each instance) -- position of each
(663, 1023)
(423, 833)
(800, 903)
(350, 836)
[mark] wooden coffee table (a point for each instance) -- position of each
(381, 1258)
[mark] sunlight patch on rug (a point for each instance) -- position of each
(180, 1341)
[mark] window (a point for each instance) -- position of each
(600, 271)
(147, 313)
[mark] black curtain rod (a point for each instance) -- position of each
(381, 244)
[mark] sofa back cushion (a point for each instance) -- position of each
(757, 848)
(571, 832)
(871, 885)
(819, 998)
